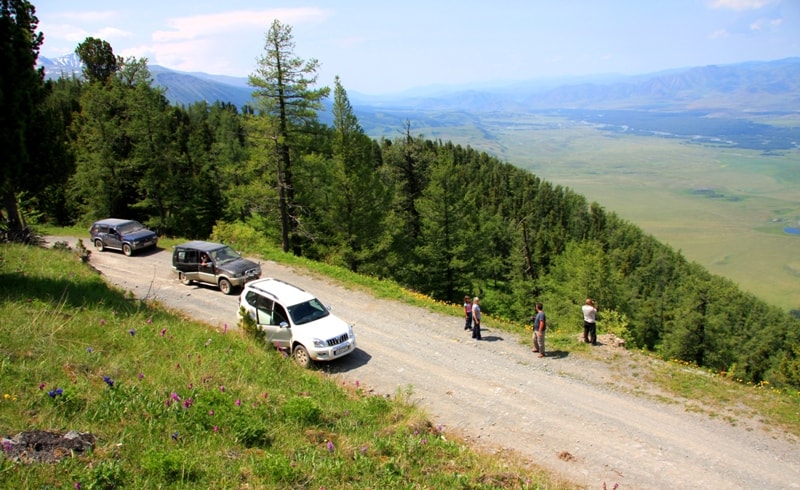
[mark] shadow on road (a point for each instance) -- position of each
(347, 363)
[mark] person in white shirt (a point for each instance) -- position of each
(589, 321)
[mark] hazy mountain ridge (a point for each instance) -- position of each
(720, 104)
(768, 86)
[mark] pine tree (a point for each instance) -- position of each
(282, 82)
(21, 91)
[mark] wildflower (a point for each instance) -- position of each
(41, 386)
(149, 320)
(77, 485)
(357, 384)
(187, 403)
(363, 449)
(141, 375)
(424, 441)
(89, 350)
(238, 402)
(102, 322)
(215, 429)
(211, 413)
(163, 331)
(224, 328)
(222, 388)
(109, 381)
(132, 332)
(174, 436)
(55, 393)
(175, 396)
(330, 446)
(191, 386)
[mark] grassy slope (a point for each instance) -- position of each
(174, 404)
(653, 181)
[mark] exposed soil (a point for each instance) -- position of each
(588, 419)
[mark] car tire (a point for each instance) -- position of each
(225, 286)
(183, 279)
(98, 244)
(301, 356)
(127, 250)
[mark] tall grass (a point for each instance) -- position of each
(175, 404)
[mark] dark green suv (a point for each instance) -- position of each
(213, 263)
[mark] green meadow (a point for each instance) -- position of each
(723, 208)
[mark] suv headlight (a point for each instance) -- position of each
(320, 344)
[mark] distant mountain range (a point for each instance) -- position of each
(752, 87)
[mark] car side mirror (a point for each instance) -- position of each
(284, 325)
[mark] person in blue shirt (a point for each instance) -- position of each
(539, 327)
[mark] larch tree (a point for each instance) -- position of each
(21, 92)
(282, 83)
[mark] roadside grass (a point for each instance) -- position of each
(176, 404)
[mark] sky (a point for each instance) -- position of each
(386, 47)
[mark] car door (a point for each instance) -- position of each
(113, 239)
(269, 317)
(187, 263)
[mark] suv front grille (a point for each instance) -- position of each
(337, 340)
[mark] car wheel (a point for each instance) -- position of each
(98, 244)
(183, 279)
(301, 356)
(127, 250)
(225, 286)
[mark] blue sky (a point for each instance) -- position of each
(386, 47)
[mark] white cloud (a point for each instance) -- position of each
(742, 4)
(719, 34)
(198, 26)
(765, 23)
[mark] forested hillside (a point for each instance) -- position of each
(439, 218)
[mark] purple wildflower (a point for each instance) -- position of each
(238, 402)
(174, 436)
(222, 388)
(331, 446)
(163, 331)
(132, 332)
(89, 350)
(109, 381)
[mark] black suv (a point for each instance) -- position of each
(213, 263)
(122, 234)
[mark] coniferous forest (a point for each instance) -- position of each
(438, 218)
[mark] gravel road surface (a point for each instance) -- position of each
(567, 414)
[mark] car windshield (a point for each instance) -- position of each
(129, 227)
(224, 255)
(307, 312)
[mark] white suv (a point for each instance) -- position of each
(295, 320)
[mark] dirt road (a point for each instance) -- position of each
(562, 412)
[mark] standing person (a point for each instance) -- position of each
(589, 321)
(467, 313)
(539, 326)
(476, 318)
